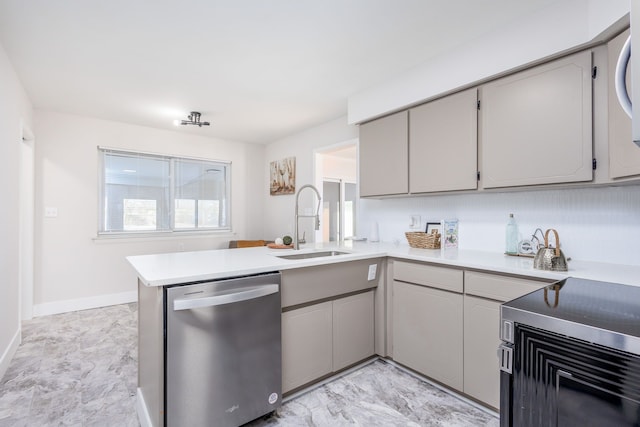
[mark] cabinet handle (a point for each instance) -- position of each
(230, 298)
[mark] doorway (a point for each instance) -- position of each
(338, 210)
(336, 174)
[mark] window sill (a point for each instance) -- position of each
(159, 236)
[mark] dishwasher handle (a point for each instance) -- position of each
(230, 298)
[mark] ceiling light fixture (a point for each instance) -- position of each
(193, 119)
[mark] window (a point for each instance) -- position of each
(153, 193)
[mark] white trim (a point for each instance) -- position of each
(126, 237)
(84, 303)
(27, 222)
(141, 408)
(8, 354)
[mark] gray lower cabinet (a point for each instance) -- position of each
(327, 319)
(307, 344)
(484, 293)
(427, 321)
(323, 338)
(445, 324)
(353, 331)
(481, 340)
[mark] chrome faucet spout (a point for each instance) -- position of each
(298, 216)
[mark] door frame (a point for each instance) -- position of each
(318, 157)
(26, 257)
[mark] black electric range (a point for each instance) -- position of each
(571, 356)
(601, 313)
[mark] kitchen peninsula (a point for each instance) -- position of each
(311, 292)
(185, 267)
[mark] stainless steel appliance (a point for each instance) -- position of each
(630, 54)
(223, 351)
(571, 356)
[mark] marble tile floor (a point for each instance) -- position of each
(74, 369)
(379, 394)
(80, 369)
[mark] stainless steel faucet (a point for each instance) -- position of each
(317, 215)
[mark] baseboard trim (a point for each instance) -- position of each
(141, 408)
(66, 306)
(10, 351)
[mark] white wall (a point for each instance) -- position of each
(338, 168)
(595, 224)
(279, 210)
(15, 110)
(76, 270)
(561, 26)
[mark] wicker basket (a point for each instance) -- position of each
(423, 240)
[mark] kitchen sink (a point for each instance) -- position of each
(318, 254)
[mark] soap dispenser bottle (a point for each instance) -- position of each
(511, 241)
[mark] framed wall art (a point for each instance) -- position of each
(282, 176)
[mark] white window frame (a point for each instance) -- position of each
(101, 233)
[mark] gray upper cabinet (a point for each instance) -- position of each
(624, 155)
(383, 154)
(443, 144)
(535, 125)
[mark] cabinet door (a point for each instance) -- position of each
(443, 144)
(306, 345)
(481, 340)
(624, 155)
(536, 125)
(427, 332)
(353, 338)
(383, 156)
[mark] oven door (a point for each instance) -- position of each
(561, 381)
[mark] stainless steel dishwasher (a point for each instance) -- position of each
(223, 363)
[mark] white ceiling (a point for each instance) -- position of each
(259, 70)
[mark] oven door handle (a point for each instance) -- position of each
(226, 298)
(505, 357)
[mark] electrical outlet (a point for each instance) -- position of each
(414, 222)
(373, 268)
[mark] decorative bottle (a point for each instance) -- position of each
(511, 241)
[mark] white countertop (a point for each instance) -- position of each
(185, 267)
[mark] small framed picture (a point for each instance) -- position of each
(433, 226)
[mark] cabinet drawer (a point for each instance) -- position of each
(499, 288)
(308, 284)
(448, 279)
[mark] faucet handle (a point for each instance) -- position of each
(303, 240)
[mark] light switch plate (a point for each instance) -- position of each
(50, 212)
(373, 268)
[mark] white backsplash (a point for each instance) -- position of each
(594, 224)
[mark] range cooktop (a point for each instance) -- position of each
(602, 313)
